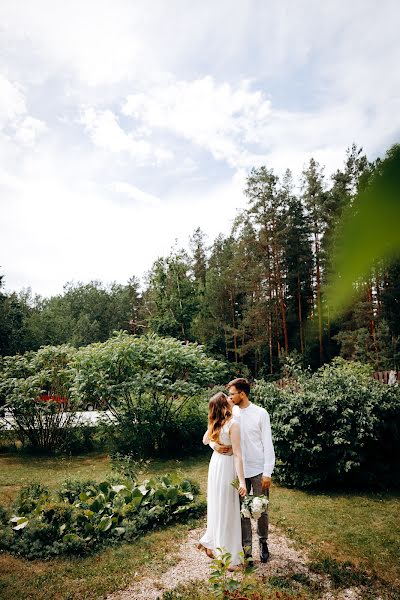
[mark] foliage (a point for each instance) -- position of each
(364, 237)
(23, 379)
(126, 466)
(339, 427)
(225, 585)
(343, 520)
(81, 516)
(170, 300)
(81, 439)
(83, 314)
(152, 386)
(272, 284)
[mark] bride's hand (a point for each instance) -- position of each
(242, 489)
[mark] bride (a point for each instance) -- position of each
(223, 509)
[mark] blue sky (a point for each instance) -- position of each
(126, 125)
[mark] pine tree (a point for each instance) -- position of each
(315, 199)
(298, 263)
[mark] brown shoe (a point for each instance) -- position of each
(208, 551)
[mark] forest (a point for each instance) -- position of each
(252, 297)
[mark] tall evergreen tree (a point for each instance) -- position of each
(265, 211)
(298, 264)
(170, 301)
(315, 199)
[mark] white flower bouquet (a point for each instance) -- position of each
(252, 506)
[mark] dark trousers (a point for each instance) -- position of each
(262, 523)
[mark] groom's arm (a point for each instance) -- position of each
(221, 448)
(269, 453)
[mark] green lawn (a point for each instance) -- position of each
(360, 528)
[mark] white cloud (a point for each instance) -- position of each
(180, 101)
(107, 134)
(15, 123)
(12, 101)
(133, 192)
(28, 130)
(214, 116)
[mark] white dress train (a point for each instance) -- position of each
(223, 507)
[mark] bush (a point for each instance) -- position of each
(153, 387)
(82, 438)
(41, 424)
(8, 441)
(81, 517)
(338, 426)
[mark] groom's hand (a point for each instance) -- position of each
(222, 449)
(265, 483)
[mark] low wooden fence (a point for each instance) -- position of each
(281, 383)
(387, 376)
(382, 376)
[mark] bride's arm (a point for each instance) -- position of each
(237, 455)
(206, 439)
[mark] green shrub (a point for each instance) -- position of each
(81, 439)
(30, 496)
(41, 424)
(8, 441)
(81, 517)
(338, 426)
(154, 388)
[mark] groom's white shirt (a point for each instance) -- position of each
(256, 440)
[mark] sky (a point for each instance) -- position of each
(126, 125)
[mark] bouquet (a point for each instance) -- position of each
(252, 506)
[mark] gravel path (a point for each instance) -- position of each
(194, 565)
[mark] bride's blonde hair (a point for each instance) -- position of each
(219, 411)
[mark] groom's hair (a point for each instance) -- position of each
(241, 384)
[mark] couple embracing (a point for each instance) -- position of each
(240, 434)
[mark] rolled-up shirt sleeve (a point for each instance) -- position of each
(269, 452)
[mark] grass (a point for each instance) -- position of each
(90, 577)
(93, 576)
(361, 528)
(349, 537)
(18, 470)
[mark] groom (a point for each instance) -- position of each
(258, 457)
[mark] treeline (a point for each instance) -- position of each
(252, 297)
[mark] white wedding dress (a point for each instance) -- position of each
(223, 507)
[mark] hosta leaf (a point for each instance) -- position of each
(156, 510)
(98, 503)
(160, 495)
(104, 486)
(20, 523)
(118, 488)
(181, 509)
(172, 495)
(136, 501)
(105, 524)
(72, 537)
